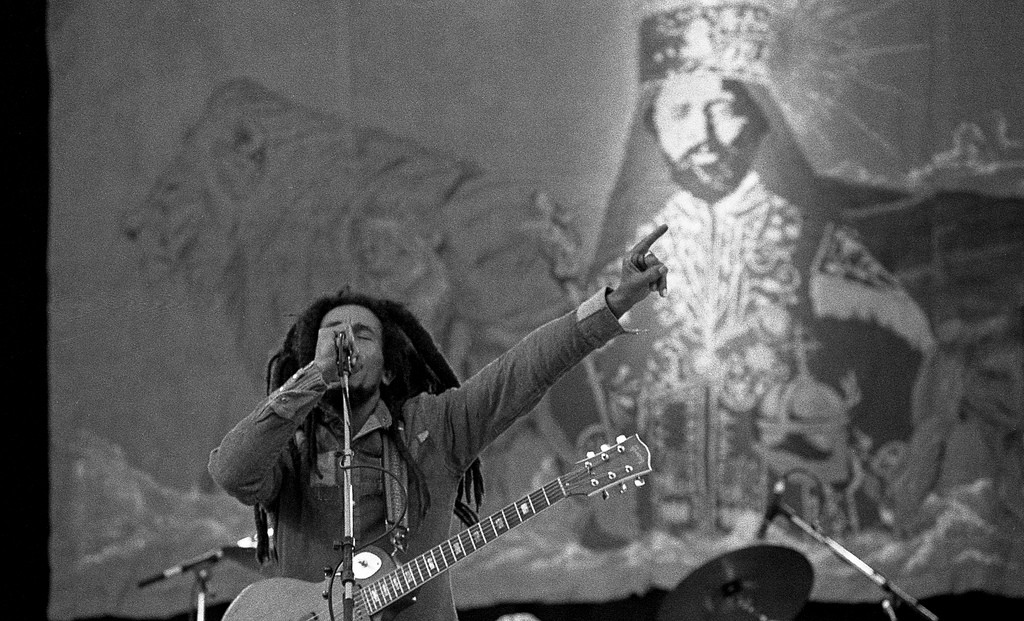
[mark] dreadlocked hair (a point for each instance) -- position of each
(416, 366)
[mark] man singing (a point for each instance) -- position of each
(409, 419)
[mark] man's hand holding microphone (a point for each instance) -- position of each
(336, 353)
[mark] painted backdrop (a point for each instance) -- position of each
(843, 179)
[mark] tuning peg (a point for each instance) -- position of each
(590, 454)
(604, 494)
(622, 487)
(620, 439)
(639, 482)
(605, 447)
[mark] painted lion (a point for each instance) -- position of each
(268, 204)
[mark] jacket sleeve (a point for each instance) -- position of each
(467, 419)
(248, 462)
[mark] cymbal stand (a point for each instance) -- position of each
(743, 603)
(890, 588)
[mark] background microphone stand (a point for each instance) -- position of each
(199, 566)
(887, 585)
(243, 552)
(345, 343)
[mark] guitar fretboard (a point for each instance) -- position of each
(403, 580)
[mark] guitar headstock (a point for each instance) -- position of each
(614, 466)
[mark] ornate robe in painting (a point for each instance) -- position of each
(784, 349)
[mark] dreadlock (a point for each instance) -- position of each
(417, 366)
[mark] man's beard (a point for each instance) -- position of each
(358, 394)
(711, 182)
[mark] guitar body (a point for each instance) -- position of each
(289, 599)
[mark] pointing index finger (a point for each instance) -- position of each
(645, 244)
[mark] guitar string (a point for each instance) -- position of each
(416, 562)
(570, 479)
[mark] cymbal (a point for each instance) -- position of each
(757, 583)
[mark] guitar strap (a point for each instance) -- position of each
(394, 494)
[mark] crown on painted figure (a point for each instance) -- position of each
(731, 37)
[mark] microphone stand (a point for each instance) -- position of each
(886, 585)
(199, 565)
(348, 543)
(202, 591)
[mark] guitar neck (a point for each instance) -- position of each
(405, 579)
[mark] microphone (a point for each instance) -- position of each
(772, 508)
(208, 557)
(345, 344)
